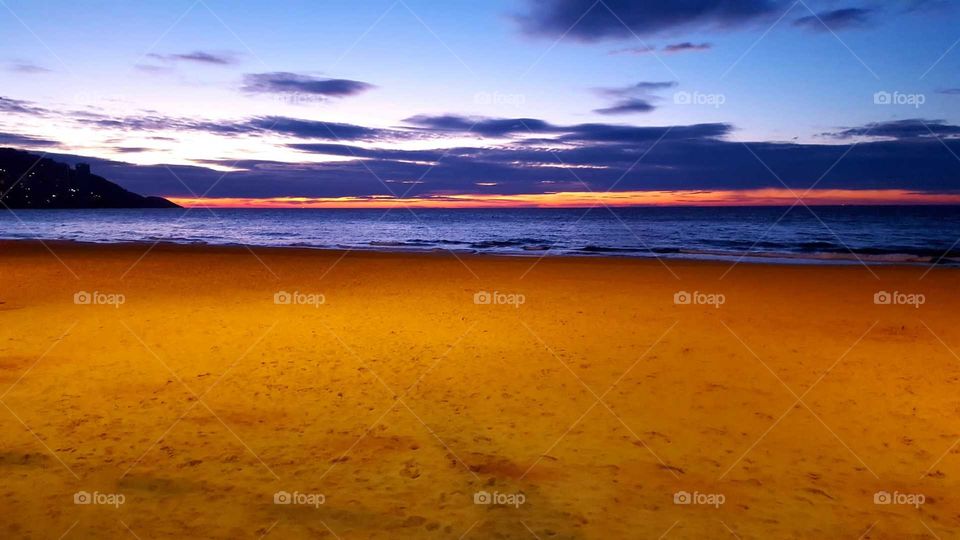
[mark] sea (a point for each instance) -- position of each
(816, 235)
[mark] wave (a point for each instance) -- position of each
(607, 249)
(839, 257)
(405, 243)
(872, 236)
(516, 242)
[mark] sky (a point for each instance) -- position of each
(533, 103)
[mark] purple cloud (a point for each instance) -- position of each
(27, 68)
(281, 82)
(686, 46)
(835, 20)
(588, 20)
(199, 57)
(627, 106)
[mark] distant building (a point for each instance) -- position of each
(83, 169)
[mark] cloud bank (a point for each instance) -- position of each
(587, 20)
(536, 156)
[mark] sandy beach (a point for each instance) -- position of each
(199, 392)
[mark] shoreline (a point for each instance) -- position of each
(775, 260)
(198, 382)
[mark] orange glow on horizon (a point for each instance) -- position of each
(578, 199)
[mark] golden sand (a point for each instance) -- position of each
(399, 398)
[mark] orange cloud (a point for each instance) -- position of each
(579, 199)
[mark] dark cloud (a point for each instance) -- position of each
(537, 155)
(375, 153)
(261, 125)
(694, 157)
(588, 20)
(8, 105)
(673, 163)
(615, 133)
(671, 48)
(627, 106)
(484, 127)
(315, 129)
(643, 49)
(686, 46)
(636, 98)
(523, 131)
(913, 128)
(950, 91)
(640, 88)
(27, 68)
(14, 139)
(287, 83)
(418, 127)
(502, 127)
(835, 20)
(198, 57)
(19, 106)
(156, 123)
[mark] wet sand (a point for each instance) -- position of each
(783, 412)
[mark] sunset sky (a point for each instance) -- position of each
(544, 103)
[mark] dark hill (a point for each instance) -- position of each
(45, 183)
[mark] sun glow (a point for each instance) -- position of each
(576, 199)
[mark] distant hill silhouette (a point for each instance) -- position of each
(49, 184)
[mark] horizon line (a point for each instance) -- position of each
(584, 199)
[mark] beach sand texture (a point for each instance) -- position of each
(399, 398)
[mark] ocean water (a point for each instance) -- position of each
(921, 235)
